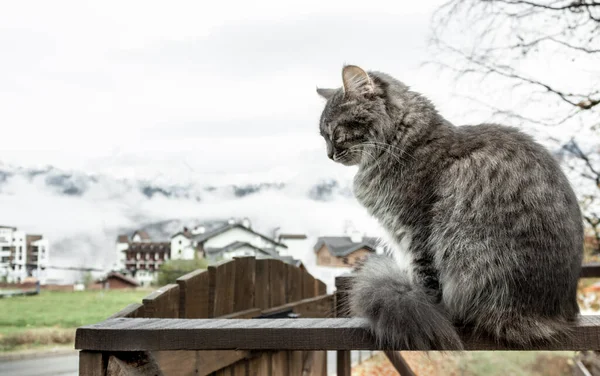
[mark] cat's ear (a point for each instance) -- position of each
(356, 81)
(326, 93)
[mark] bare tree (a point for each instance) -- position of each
(545, 56)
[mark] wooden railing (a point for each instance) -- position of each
(239, 289)
(234, 346)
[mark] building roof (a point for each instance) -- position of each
(9, 227)
(236, 245)
(149, 247)
(201, 238)
(187, 234)
(341, 246)
(122, 277)
(143, 234)
(290, 260)
(292, 236)
(122, 238)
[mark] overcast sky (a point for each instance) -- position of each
(202, 84)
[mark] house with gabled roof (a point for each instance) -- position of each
(185, 243)
(344, 251)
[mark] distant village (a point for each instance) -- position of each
(24, 257)
(139, 257)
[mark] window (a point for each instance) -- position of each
(345, 260)
(179, 241)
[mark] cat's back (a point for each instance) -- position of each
(499, 180)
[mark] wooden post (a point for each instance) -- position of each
(91, 363)
(344, 362)
(344, 365)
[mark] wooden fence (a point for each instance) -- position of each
(239, 289)
(213, 335)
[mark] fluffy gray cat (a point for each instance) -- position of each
(485, 229)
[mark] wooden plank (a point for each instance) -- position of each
(279, 363)
(277, 282)
(193, 295)
(261, 284)
(260, 366)
(221, 277)
(133, 310)
(320, 287)
(245, 273)
(308, 284)
(295, 363)
(133, 364)
(223, 372)
(319, 366)
(317, 307)
(240, 368)
(308, 358)
(590, 270)
(125, 334)
(197, 363)
(344, 366)
(91, 363)
(162, 303)
(293, 291)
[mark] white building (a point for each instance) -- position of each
(22, 255)
(140, 256)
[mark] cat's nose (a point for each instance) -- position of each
(330, 153)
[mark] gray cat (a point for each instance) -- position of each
(485, 229)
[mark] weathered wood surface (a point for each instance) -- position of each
(133, 310)
(91, 363)
(245, 274)
(262, 288)
(123, 334)
(197, 363)
(193, 295)
(278, 283)
(221, 288)
(317, 307)
(162, 303)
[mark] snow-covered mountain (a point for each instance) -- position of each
(82, 213)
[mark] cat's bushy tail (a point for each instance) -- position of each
(401, 314)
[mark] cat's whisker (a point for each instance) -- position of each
(392, 147)
(396, 156)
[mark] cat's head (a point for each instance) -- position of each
(354, 118)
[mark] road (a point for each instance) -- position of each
(68, 365)
(63, 365)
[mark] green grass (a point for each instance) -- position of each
(51, 316)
